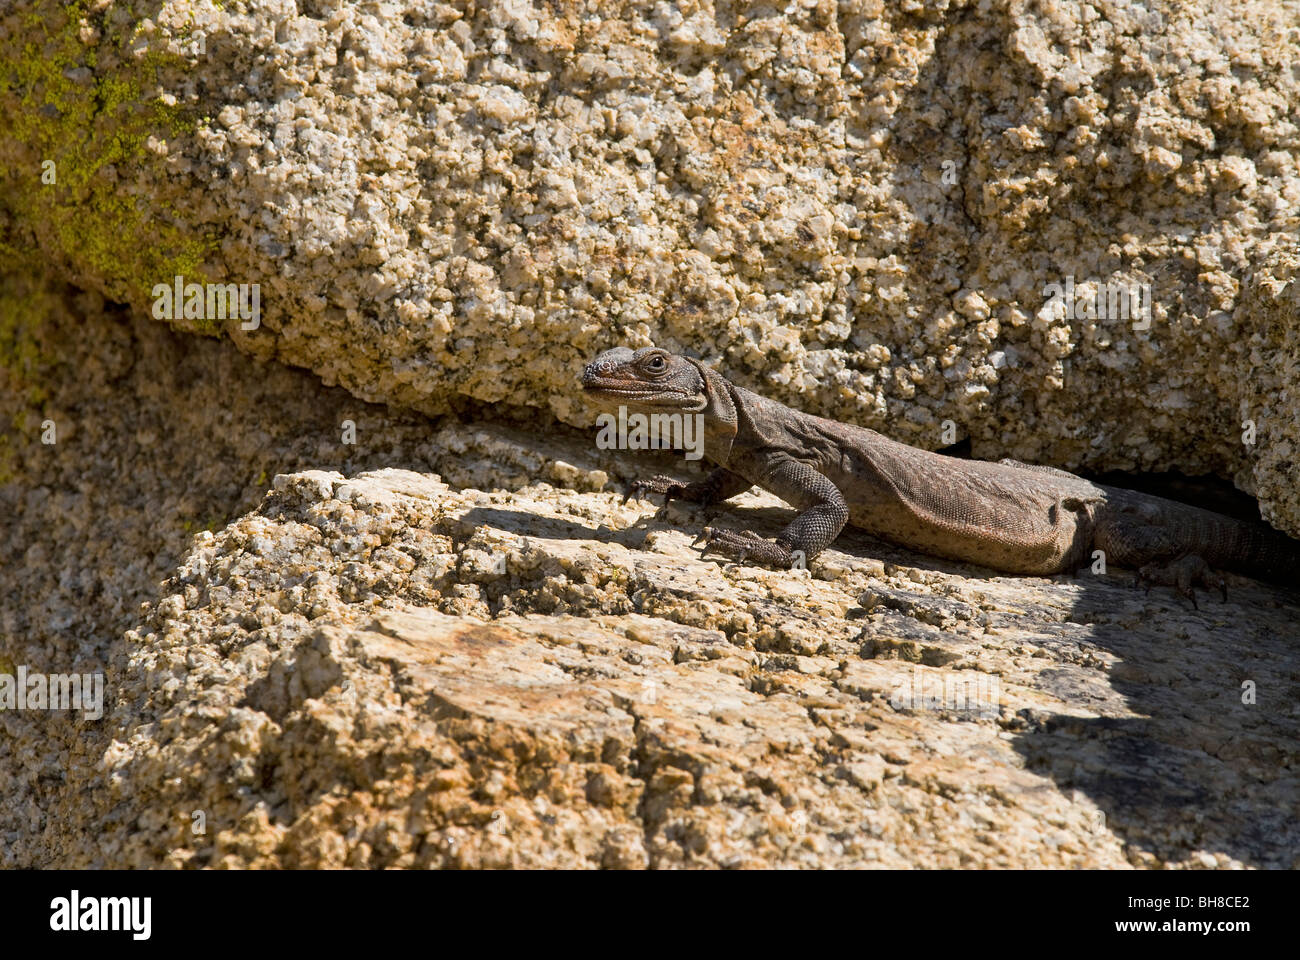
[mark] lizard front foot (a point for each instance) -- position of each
(667, 487)
(1184, 575)
(747, 545)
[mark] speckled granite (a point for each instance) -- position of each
(448, 644)
(855, 207)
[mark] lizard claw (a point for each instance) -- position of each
(717, 541)
(741, 546)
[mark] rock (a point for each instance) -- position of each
(857, 209)
(384, 665)
(545, 720)
(334, 632)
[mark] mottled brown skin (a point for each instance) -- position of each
(1008, 515)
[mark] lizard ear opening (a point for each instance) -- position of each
(719, 410)
(706, 391)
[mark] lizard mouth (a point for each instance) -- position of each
(621, 390)
(671, 399)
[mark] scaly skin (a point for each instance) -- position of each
(1008, 515)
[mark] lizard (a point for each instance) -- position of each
(1010, 516)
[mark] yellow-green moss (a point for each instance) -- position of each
(7, 460)
(103, 125)
(212, 524)
(26, 363)
(21, 356)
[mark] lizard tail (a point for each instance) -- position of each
(1263, 553)
(1252, 548)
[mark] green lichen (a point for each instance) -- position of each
(91, 107)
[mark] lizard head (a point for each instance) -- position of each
(649, 379)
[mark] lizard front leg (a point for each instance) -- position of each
(719, 485)
(823, 515)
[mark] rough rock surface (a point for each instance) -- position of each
(856, 206)
(591, 693)
(451, 645)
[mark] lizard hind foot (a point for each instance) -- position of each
(1184, 574)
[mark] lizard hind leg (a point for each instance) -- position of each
(1130, 541)
(1184, 575)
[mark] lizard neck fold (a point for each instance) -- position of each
(719, 416)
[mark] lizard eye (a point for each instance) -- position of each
(656, 363)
